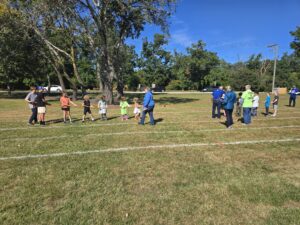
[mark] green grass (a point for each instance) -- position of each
(220, 184)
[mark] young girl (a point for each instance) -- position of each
(65, 102)
(136, 111)
(41, 103)
(102, 105)
(124, 105)
(239, 103)
(255, 104)
(87, 107)
(275, 103)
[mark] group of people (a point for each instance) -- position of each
(247, 103)
(37, 103)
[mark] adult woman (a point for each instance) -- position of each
(229, 101)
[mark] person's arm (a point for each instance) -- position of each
(73, 103)
(147, 99)
(27, 98)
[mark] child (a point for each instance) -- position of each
(124, 105)
(222, 104)
(41, 103)
(239, 103)
(102, 105)
(65, 106)
(267, 103)
(136, 111)
(255, 104)
(87, 108)
(275, 103)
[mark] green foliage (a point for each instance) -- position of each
(295, 44)
(155, 61)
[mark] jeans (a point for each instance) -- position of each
(247, 115)
(254, 111)
(216, 104)
(292, 100)
(149, 110)
(229, 119)
(33, 116)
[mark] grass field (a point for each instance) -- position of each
(188, 169)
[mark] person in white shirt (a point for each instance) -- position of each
(255, 104)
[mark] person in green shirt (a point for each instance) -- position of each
(124, 106)
(247, 97)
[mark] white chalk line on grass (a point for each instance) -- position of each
(150, 132)
(209, 120)
(124, 149)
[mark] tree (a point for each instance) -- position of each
(155, 61)
(295, 44)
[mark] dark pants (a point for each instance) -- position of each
(292, 100)
(149, 110)
(247, 115)
(267, 111)
(229, 119)
(216, 105)
(33, 117)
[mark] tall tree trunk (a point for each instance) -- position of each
(98, 74)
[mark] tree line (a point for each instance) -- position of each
(81, 44)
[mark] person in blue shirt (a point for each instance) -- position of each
(148, 106)
(217, 102)
(267, 103)
(229, 100)
(293, 95)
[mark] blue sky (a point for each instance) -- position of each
(234, 29)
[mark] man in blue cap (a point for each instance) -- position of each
(217, 101)
(293, 95)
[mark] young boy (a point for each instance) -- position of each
(124, 105)
(267, 103)
(275, 103)
(102, 105)
(239, 103)
(87, 108)
(41, 106)
(255, 104)
(65, 106)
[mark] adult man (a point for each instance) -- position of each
(247, 97)
(217, 101)
(30, 98)
(293, 95)
(148, 106)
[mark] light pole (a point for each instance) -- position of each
(275, 50)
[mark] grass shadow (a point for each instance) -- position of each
(175, 100)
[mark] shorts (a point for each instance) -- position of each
(41, 110)
(87, 110)
(275, 107)
(102, 111)
(136, 111)
(66, 109)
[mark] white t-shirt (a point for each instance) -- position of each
(255, 101)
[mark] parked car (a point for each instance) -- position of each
(209, 89)
(54, 89)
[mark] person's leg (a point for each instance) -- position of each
(219, 109)
(31, 118)
(227, 117)
(152, 122)
(294, 102)
(247, 115)
(290, 101)
(230, 111)
(267, 111)
(214, 105)
(143, 117)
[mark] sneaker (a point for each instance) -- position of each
(30, 124)
(82, 121)
(139, 123)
